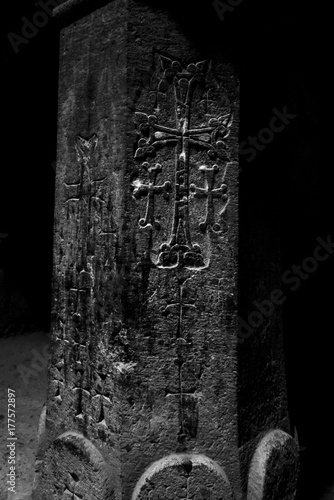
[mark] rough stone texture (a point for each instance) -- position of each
(144, 346)
(274, 468)
(41, 447)
(75, 469)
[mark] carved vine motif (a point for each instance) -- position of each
(180, 251)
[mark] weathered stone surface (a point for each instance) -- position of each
(274, 468)
(41, 447)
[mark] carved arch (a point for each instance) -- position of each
(183, 476)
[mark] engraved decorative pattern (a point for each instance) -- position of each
(179, 250)
(188, 186)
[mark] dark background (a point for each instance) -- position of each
(283, 58)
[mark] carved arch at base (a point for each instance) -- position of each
(274, 468)
(183, 476)
(74, 469)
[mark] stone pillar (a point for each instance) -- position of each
(142, 395)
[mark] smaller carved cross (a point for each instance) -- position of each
(185, 392)
(150, 190)
(85, 148)
(210, 193)
(83, 290)
(86, 188)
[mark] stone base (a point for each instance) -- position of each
(181, 477)
(73, 468)
(274, 468)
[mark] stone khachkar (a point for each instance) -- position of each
(143, 381)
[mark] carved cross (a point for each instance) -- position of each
(210, 193)
(83, 291)
(85, 148)
(188, 414)
(185, 392)
(86, 188)
(179, 253)
(155, 136)
(149, 190)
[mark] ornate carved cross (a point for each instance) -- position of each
(179, 251)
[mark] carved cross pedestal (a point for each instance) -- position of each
(143, 382)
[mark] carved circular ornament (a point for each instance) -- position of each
(183, 477)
